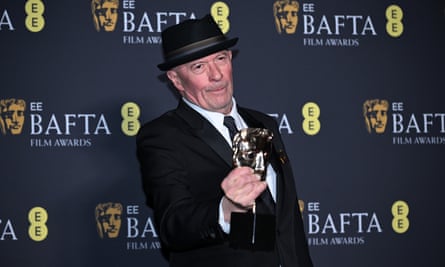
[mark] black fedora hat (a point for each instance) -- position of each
(192, 39)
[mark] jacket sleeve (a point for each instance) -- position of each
(180, 187)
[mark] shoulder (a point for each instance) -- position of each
(266, 121)
(163, 125)
(182, 121)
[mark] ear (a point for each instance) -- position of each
(175, 79)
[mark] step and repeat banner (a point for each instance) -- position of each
(357, 88)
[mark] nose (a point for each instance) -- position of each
(112, 221)
(379, 116)
(15, 116)
(288, 17)
(214, 71)
(108, 13)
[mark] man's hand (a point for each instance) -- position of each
(241, 188)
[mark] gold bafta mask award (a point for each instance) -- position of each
(252, 148)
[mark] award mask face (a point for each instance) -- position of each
(252, 148)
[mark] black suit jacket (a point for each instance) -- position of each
(183, 160)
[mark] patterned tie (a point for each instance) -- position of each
(229, 122)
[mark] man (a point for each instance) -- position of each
(186, 164)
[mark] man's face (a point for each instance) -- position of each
(111, 222)
(14, 118)
(206, 82)
(288, 18)
(378, 118)
(107, 16)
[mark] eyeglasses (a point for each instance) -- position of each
(199, 67)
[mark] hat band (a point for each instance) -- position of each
(191, 48)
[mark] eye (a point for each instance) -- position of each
(8, 114)
(197, 68)
(249, 155)
(105, 218)
(222, 59)
(101, 11)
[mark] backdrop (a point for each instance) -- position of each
(356, 86)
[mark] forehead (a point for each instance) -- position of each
(379, 107)
(109, 4)
(290, 7)
(112, 210)
(15, 107)
(207, 58)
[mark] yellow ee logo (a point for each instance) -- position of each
(220, 12)
(130, 113)
(311, 123)
(400, 222)
(34, 20)
(38, 231)
(394, 25)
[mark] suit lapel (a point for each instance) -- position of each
(250, 120)
(205, 130)
(217, 142)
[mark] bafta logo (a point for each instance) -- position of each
(375, 112)
(108, 219)
(12, 116)
(105, 14)
(285, 15)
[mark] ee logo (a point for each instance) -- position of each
(130, 113)
(400, 221)
(394, 25)
(34, 15)
(38, 231)
(220, 13)
(311, 123)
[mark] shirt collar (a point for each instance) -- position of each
(217, 118)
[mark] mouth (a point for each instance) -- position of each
(217, 88)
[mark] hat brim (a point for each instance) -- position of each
(190, 56)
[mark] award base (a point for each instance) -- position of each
(252, 231)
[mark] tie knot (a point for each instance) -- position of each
(229, 122)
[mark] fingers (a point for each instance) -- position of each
(242, 187)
